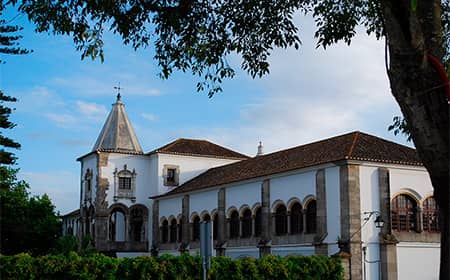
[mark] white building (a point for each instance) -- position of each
(321, 198)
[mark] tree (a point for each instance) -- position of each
(8, 45)
(27, 223)
(198, 36)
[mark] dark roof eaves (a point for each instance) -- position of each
(198, 155)
(110, 151)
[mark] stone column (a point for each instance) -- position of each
(266, 234)
(288, 220)
(101, 206)
(419, 219)
(388, 243)
(321, 200)
(351, 218)
(221, 226)
(186, 235)
(155, 228)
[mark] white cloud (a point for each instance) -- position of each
(92, 111)
(62, 120)
(149, 117)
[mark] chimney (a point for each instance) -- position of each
(260, 149)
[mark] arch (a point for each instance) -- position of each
(180, 228)
(164, 231)
(311, 215)
(410, 192)
(203, 214)
(171, 217)
(117, 224)
(246, 222)
(276, 204)
(213, 212)
(243, 208)
(292, 201)
(404, 212)
(280, 216)
(430, 215)
(173, 230)
(215, 225)
(120, 206)
(179, 217)
(255, 207)
(193, 215)
(230, 210)
(307, 199)
(258, 221)
(138, 218)
(296, 217)
(234, 224)
(196, 228)
(161, 220)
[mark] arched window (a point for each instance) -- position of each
(137, 224)
(173, 230)
(403, 213)
(234, 224)
(180, 230)
(296, 218)
(206, 218)
(196, 228)
(430, 215)
(281, 220)
(165, 231)
(311, 217)
(117, 225)
(246, 223)
(258, 228)
(215, 225)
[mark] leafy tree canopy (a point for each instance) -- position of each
(28, 223)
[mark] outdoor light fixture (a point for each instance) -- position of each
(379, 223)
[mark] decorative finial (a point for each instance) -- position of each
(118, 92)
(260, 149)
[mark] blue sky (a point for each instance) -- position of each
(310, 94)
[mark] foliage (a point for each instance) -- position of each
(28, 223)
(98, 266)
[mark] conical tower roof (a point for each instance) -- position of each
(117, 134)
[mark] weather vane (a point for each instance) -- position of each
(118, 91)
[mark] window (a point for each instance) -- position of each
(125, 184)
(137, 224)
(258, 228)
(215, 225)
(296, 218)
(311, 217)
(281, 220)
(196, 228)
(171, 175)
(117, 225)
(173, 230)
(247, 223)
(234, 224)
(164, 231)
(403, 213)
(88, 184)
(430, 215)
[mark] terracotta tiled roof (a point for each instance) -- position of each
(351, 146)
(195, 147)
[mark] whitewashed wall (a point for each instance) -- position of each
(332, 189)
(170, 206)
(203, 201)
(298, 185)
(418, 261)
(190, 167)
(243, 194)
(414, 180)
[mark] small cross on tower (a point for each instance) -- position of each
(118, 91)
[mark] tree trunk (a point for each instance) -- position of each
(413, 34)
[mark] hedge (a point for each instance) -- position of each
(98, 266)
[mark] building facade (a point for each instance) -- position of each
(321, 198)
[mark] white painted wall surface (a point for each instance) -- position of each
(89, 162)
(190, 167)
(141, 164)
(201, 201)
(298, 185)
(170, 206)
(332, 189)
(242, 194)
(418, 261)
(416, 180)
(370, 201)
